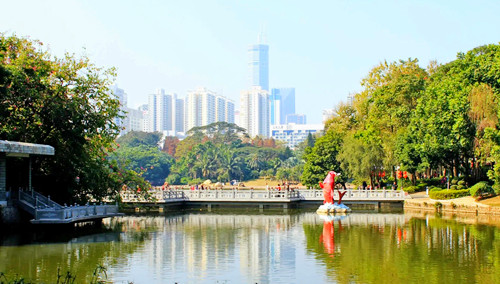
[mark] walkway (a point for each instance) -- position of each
(46, 211)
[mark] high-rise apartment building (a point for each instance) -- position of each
(258, 65)
(282, 104)
(177, 114)
(203, 107)
(254, 111)
(122, 97)
(160, 111)
(230, 111)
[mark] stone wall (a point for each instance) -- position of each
(9, 215)
(449, 206)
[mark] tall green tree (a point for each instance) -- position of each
(322, 158)
(63, 102)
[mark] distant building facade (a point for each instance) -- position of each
(203, 107)
(296, 118)
(327, 114)
(293, 134)
(258, 65)
(160, 111)
(254, 111)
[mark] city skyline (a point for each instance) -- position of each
(323, 49)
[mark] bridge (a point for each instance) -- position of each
(46, 211)
(158, 196)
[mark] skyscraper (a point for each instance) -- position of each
(204, 107)
(254, 111)
(282, 104)
(160, 111)
(122, 97)
(258, 64)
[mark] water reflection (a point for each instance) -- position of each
(286, 248)
(408, 250)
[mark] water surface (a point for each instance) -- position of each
(269, 247)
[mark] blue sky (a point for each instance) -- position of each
(322, 48)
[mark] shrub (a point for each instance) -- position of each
(454, 187)
(411, 189)
(435, 188)
(462, 183)
(454, 181)
(480, 189)
(460, 187)
(448, 194)
(422, 186)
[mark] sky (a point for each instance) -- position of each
(321, 48)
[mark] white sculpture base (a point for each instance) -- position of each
(332, 208)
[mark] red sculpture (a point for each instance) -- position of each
(328, 186)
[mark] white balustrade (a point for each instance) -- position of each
(165, 196)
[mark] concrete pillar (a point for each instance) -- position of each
(29, 173)
(3, 177)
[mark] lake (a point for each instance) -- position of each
(244, 246)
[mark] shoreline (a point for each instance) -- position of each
(464, 205)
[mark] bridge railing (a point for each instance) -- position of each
(75, 212)
(240, 194)
(162, 196)
(355, 194)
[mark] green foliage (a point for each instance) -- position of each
(421, 186)
(481, 189)
(139, 138)
(153, 164)
(321, 158)
(448, 194)
(62, 102)
(411, 189)
(435, 188)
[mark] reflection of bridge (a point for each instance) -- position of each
(260, 196)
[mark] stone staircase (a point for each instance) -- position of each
(46, 211)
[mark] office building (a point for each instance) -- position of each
(254, 111)
(293, 134)
(296, 118)
(258, 64)
(282, 104)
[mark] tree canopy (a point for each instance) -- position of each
(62, 102)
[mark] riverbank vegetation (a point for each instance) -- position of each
(66, 103)
(437, 121)
(409, 124)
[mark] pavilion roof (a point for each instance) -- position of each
(23, 148)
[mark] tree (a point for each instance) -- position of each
(322, 158)
(170, 145)
(361, 157)
(153, 164)
(63, 102)
(138, 138)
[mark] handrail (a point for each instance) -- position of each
(163, 196)
(45, 210)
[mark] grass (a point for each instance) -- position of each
(494, 201)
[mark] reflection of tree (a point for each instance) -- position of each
(442, 251)
(80, 256)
